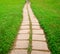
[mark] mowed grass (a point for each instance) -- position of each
(10, 21)
(48, 15)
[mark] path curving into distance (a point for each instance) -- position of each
(31, 38)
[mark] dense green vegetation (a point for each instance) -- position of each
(48, 14)
(10, 20)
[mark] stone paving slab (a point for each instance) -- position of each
(35, 24)
(34, 20)
(39, 45)
(40, 52)
(24, 31)
(25, 18)
(24, 24)
(38, 37)
(36, 27)
(23, 36)
(21, 44)
(25, 21)
(25, 13)
(37, 31)
(19, 52)
(25, 27)
(32, 17)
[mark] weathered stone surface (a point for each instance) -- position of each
(39, 45)
(26, 18)
(24, 24)
(25, 27)
(21, 44)
(38, 37)
(24, 31)
(19, 52)
(25, 21)
(34, 20)
(36, 27)
(25, 12)
(23, 36)
(32, 17)
(38, 31)
(40, 52)
(36, 24)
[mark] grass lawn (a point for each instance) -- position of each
(10, 20)
(48, 14)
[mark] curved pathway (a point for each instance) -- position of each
(30, 29)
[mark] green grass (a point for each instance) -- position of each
(48, 14)
(10, 21)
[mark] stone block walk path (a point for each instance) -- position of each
(30, 27)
